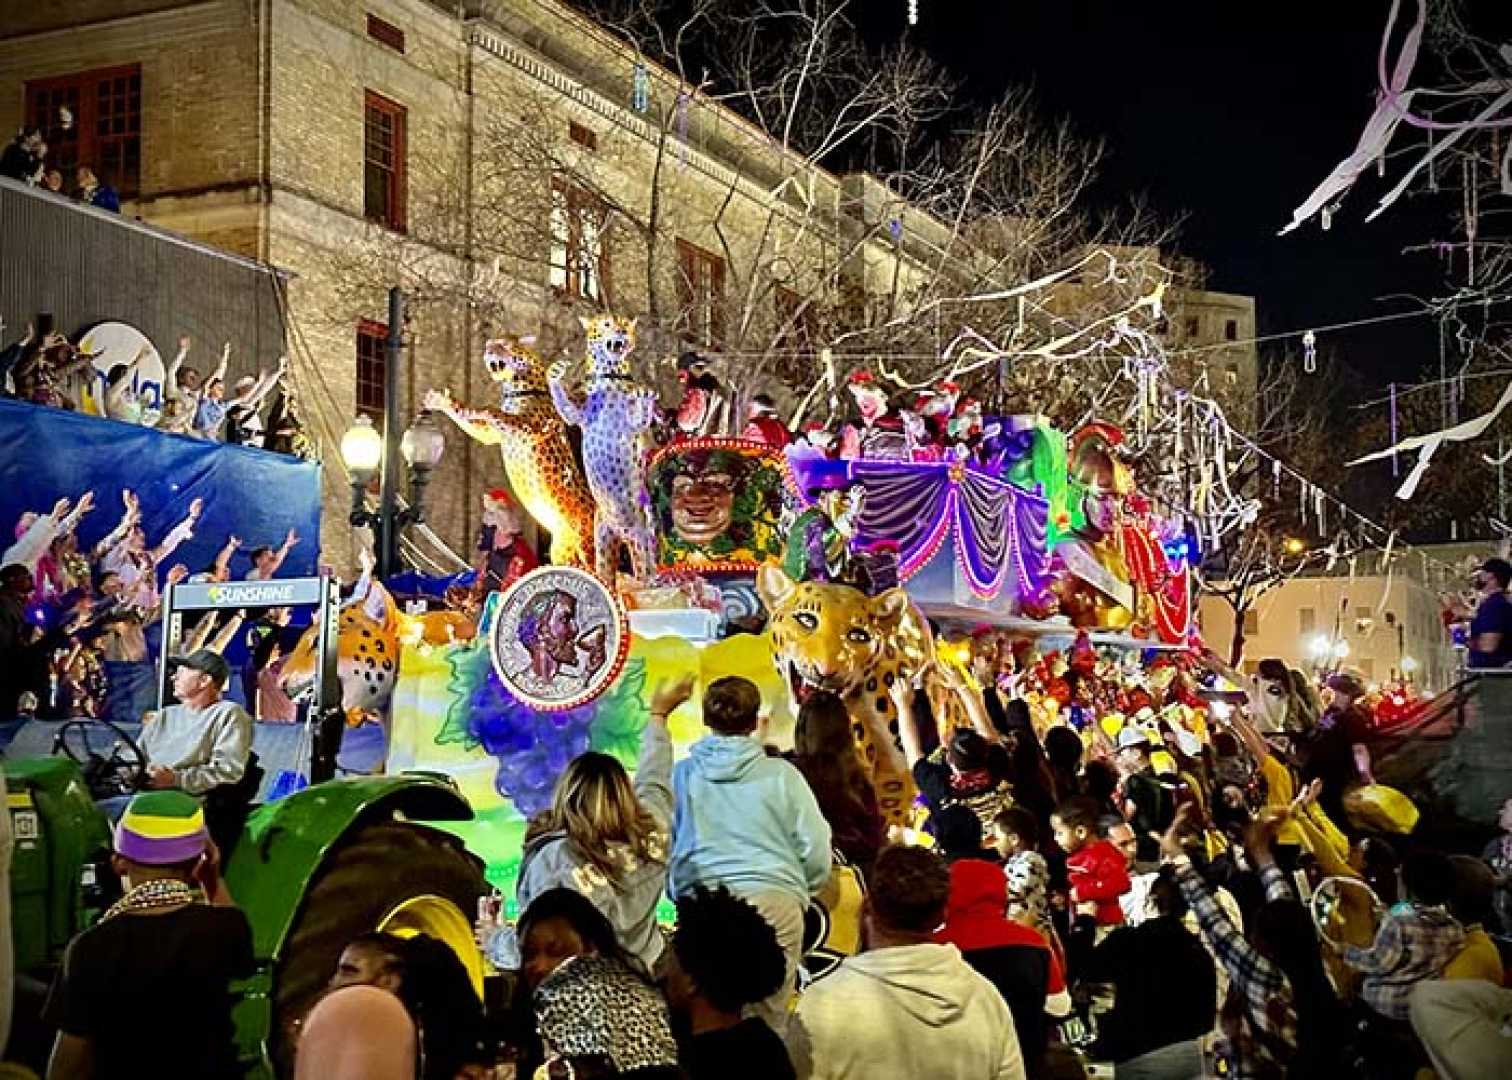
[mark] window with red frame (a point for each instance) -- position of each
(106, 133)
(372, 366)
(579, 256)
(701, 281)
(383, 147)
(385, 32)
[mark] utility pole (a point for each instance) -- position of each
(388, 491)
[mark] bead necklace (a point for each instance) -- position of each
(159, 893)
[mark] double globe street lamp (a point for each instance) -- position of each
(367, 453)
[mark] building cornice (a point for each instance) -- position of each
(144, 28)
(496, 43)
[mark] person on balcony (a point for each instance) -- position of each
(95, 192)
(22, 159)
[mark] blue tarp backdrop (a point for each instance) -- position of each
(256, 495)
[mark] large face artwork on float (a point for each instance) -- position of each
(559, 638)
(718, 504)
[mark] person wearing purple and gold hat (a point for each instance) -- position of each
(161, 960)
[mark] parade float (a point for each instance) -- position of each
(855, 556)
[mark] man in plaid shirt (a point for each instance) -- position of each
(1259, 1018)
(1415, 940)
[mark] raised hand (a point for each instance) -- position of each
(195, 508)
(437, 401)
(1170, 843)
(669, 695)
(291, 539)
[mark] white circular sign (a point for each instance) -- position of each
(117, 343)
(559, 638)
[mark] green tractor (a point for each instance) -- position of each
(311, 871)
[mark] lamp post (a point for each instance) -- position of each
(366, 452)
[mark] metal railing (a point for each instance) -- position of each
(85, 266)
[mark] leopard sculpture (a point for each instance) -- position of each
(836, 638)
(537, 457)
(614, 412)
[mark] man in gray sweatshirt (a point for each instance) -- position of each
(204, 741)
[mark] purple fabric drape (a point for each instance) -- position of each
(998, 530)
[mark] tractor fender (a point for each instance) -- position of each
(285, 843)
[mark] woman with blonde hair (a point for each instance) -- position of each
(608, 838)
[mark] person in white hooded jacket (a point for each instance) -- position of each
(905, 1006)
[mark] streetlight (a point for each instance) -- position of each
(362, 450)
(367, 453)
(1320, 647)
(1294, 546)
(1409, 666)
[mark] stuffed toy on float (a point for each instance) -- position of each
(532, 442)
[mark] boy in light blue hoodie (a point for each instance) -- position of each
(748, 822)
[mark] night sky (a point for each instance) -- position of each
(1232, 118)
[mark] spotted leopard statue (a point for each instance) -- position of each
(537, 457)
(834, 637)
(614, 413)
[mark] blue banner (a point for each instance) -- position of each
(256, 495)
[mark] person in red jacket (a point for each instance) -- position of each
(1013, 957)
(1098, 872)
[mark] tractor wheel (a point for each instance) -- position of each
(391, 876)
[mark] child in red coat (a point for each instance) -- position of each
(1098, 871)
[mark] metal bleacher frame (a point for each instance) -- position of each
(323, 713)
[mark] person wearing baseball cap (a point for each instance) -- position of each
(166, 952)
(1339, 752)
(204, 741)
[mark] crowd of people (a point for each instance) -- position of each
(1063, 908)
(25, 159)
(47, 369)
(80, 624)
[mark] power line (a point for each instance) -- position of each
(1373, 320)
(1433, 384)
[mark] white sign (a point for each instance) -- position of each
(117, 343)
(1084, 565)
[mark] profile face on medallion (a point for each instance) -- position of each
(559, 638)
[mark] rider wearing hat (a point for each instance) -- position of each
(204, 741)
